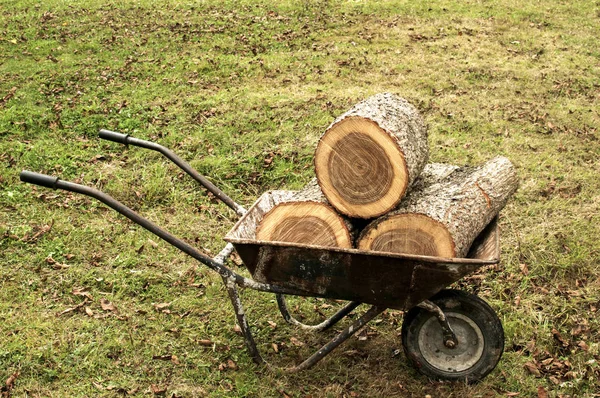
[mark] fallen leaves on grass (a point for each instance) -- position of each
(229, 365)
(77, 307)
(80, 291)
(7, 97)
(40, 231)
(268, 160)
(558, 337)
(205, 343)
(167, 357)
(162, 307)
(158, 390)
(55, 264)
(532, 368)
(108, 306)
(9, 384)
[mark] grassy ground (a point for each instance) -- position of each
(91, 305)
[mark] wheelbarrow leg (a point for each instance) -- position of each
(234, 296)
(450, 339)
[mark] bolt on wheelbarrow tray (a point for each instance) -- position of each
(391, 280)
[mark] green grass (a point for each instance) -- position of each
(228, 84)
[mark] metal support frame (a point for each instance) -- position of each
(450, 339)
(335, 318)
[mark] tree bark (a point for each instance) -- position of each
(305, 217)
(442, 218)
(369, 156)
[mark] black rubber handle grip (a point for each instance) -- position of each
(38, 179)
(113, 136)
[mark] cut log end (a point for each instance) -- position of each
(309, 223)
(408, 234)
(360, 168)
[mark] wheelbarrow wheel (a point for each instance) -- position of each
(478, 331)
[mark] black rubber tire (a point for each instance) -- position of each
(459, 307)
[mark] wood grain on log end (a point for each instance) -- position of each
(310, 223)
(369, 156)
(361, 168)
(408, 234)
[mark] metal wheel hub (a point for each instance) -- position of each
(467, 352)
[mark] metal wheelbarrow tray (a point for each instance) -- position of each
(398, 281)
(446, 334)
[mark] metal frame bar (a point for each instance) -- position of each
(449, 336)
(335, 318)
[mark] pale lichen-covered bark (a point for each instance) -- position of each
(464, 202)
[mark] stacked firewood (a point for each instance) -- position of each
(375, 190)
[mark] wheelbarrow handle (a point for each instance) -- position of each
(228, 274)
(113, 136)
(38, 179)
(126, 139)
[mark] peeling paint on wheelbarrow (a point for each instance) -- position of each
(398, 281)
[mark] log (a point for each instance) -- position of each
(443, 218)
(305, 217)
(368, 157)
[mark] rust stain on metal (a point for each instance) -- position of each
(392, 280)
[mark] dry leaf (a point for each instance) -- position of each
(284, 394)
(231, 365)
(205, 343)
(542, 393)
(237, 329)
(161, 306)
(78, 306)
(275, 347)
(296, 342)
(532, 368)
(175, 360)
(97, 385)
(107, 305)
(157, 390)
(583, 345)
(89, 311)
(524, 269)
(80, 291)
(9, 384)
(559, 338)
(272, 324)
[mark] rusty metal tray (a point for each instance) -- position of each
(392, 280)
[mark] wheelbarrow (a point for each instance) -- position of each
(446, 334)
